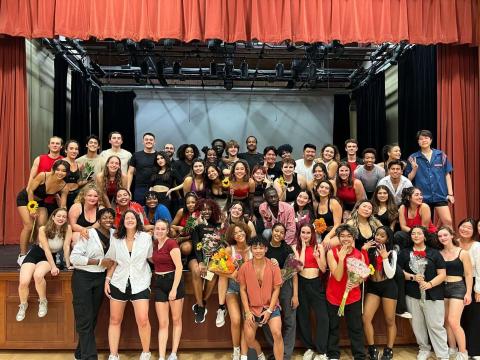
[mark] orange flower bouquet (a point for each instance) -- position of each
(221, 263)
(320, 226)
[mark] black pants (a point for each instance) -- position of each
(400, 281)
(311, 295)
(469, 322)
(87, 290)
(353, 317)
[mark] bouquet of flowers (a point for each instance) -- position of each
(210, 244)
(357, 271)
(222, 263)
(87, 172)
(291, 267)
(320, 226)
(189, 226)
(418, 263)
(226, 183)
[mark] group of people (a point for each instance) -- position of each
(116, 217)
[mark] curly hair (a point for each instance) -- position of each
(52, 230)
(229, 235)
(407, 195)
(181, 151)
(118, 174)
(215, 217)
(233, 178)
(83, 192)
(121, 232)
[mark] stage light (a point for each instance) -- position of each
(291, 47)
(213, 44)
(130, 45)
(398, 52)
(213, 68)
(380, 50)
(244, 69)
(168, 43)
(228, 67)
(177, 67)
(279, 70)
(228, 84)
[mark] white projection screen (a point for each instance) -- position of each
(200, 116)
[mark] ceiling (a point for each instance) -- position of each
(215, 64)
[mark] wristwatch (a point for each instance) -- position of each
(269, 311)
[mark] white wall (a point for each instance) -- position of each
(200, 116)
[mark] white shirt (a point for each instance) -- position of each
(474, 253)
(397, 194)
(85, 249)
(133, 266)
(303, 170)
(123, 154)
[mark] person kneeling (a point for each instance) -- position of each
(260, 281)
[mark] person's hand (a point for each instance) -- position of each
(382, 251)
(55, 271)
(172, 295)
(34, 214)
(344, 250)
(266, 316)
(107, 263)
(249, 319)
(84, 233)
(349, 286)
(467, 299)
(413, 163)
(451, 199)
(318, 251)
(368, 245)
(294, 302)
(169, 191)
(203, 269)
(477, 297)
(106, 289)
(274, 261)
(70, 267)
(424, 285)
(419, 278)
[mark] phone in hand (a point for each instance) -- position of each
(258, 320)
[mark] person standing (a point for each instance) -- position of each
(429, 170)
(252, 156)
(170, 150)
(351, 148)
(369, 173)
(91, 163)
(395, 181)
(115, 139)
(304, 166)
(141, 166)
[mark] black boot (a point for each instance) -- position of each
(372, 352)
(387, 354)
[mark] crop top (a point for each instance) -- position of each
(292, 190)
(82, 221)
(241, 192)
(417, 220)
(162, 260)
(455, 267)
(310, 261)
(328, 216)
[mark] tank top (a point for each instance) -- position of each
(111, 188)
(72, 177)
(82, 221)
(347, 195)
(310, 262)
(200, 193)
(362, 239)
(454, 267)
(249, 253)
(328, 216)
(165, 179)
(241, 192)
(45, 162)
(292, 190)
(40, 193)
(55, 244)
(384, 219)
(417, 220)
(335, 289)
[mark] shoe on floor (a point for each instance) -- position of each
(113, 357)
(309, 354)
(405, 315)
(423, 355)
(200, 314)
(321, 357)
(22, 309)
(221, 313)
(42, 308)
(172, 356)
(145, 356)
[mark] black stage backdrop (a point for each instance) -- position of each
(341, 121)
(94, 106)
(80, 113)
(417, 96)
(371, 115)
(119, 115)
(60, 97)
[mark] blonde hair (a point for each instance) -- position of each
(81, 195)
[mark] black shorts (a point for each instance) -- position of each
(118, 295)
(163, 285)
(384, 289)
(455, 290)
(437, 204)
(22, 199)
(35, 255)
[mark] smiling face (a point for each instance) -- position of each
(288, 169)
(251, 144)
(258, 175)
(466, 230)
(151, 202)
(92, 145)
(259, 251)
(369, 160)
(211, 156)
(148, 142)
(72, 150)
(318, 173)
(395, 172)
(130, 221)
(212, 173)
(351, 148)
(328, 153)
(382, 196)
(278, 234)
(161, 161)
(236, 211)
(106, 221)
(365, 210)
(395, 153)
(445, 237)
(206, 212)
(169, 149)
(424, 142)
(416, 198)
(309, 154)
(198, 168)
(91, 197)
(239, 235)
(60, 172)
(160, 232)
(418, 237)
(381, 236)
(113, 164)
(191, 203)
(346, 239)
(344, 172)
(232, 151)
(305, 234)
(55, 144)
(122, 198)
(189, 153)
(240, 171)
(270, 157)
(60, 217)
(324, 189)
(302, 199)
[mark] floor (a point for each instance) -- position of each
(403, 353)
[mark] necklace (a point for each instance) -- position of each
(273, 245)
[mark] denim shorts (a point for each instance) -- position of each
(233, 287)
(455, 290)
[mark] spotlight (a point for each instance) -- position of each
(291, 47)
(244, 69)
(279, 70)
(130, 45)
(228, 84)
(380, 50)
(213, 44)
(213, 68)
(147, 44)
(398, 52)
(177, 67)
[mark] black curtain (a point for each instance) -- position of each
(80, 109)
(341, 121)
(371, 115)
(94, 106)
(119, 115)
(60, 97)
(417, 96)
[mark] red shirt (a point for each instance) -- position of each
(132, 206)
(162, 259)
(310, 261)
(45, 162)
(335, 289)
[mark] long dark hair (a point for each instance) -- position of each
(308, 207)
(121, 232)
(372, 252)
(52, 230)
(182, 148)
(392, 209)
(313, 238)
(338, 181)
(430, 239)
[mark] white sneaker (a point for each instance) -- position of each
(309, 354)
(461, 356)
(405, 315)
(22, 308)
(423, 355)
(42, 307)
(321, 357)
(452, 351)
(20, 259)
(145, 356)
(261, 356)
(220, 321)
(113, 357)
(236, 353)
(172, 356)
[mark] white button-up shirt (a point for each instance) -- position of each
(85, 249)
(134, 267)
(397, 194)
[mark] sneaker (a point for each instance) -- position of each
(236, 353)
(308, 355)
(145, 356)
(387, 354)
(113, 357)
(372, 352)
(200, 314)
(321, 357)
(42, 307)
(261, 356)
(452, 351)
(461, 356)
(172, 356)
(405, 315)
(20, 259)
(22, 308)
(423, 355)
(220, 321)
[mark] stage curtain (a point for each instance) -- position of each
(417, 96)
(94, 107)
(80, 112)
(458, 124)
(14, 135)
(418, 21)
(371, 114)
(60, 97)
(119, 115)
(341, 120)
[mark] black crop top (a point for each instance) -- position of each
(292, 190)
(455, 267)
(361, 240)
(72, 177)
(328, 216)
(384, 219)
(84, 222)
